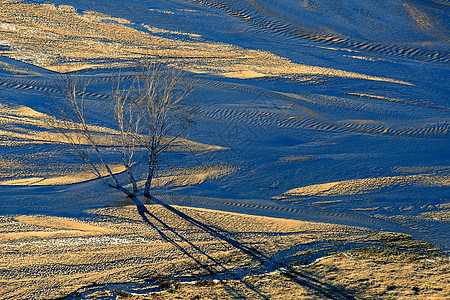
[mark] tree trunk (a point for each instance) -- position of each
(151, 170)
(124, 190)
(131, 178)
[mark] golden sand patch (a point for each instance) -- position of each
(51, 227)
(159, 30)
(60, 223)
(61, 180)
(45, 130)
(312, 190)
(362, 57)
(422, 20)
(50, 36)
(192, 176)
(243, 74)
(11, 236)
(402, 101)
(71, 67)
(94, 16)
(362, 186)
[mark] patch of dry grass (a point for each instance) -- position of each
(47, 257)
(369, 273)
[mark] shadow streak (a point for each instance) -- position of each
(323, 289)
(143, 212)
(262, 258)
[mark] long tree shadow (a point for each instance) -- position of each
(262, 258)
(323, 289)
(144, 212)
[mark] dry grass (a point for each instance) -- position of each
(47, 257)
(366, 273)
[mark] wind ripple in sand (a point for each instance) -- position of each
(120, 44)
(275, 113)
(404, 101)
(260, 18)
(32, 85)
(266, 118)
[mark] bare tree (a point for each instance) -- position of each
(149, 115)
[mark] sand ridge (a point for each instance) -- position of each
(361, 186)
(327, 111)
(293, 23)
(28, 126)
(36, 31)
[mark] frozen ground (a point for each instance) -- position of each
(331, 111)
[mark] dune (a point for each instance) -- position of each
(63, 28)
(53, 179)
(368, 185)
(313, 115)
(43, 128)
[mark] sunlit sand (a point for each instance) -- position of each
(317, 165)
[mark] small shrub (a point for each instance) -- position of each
(205, 282)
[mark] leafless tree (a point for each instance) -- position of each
(149, 115)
